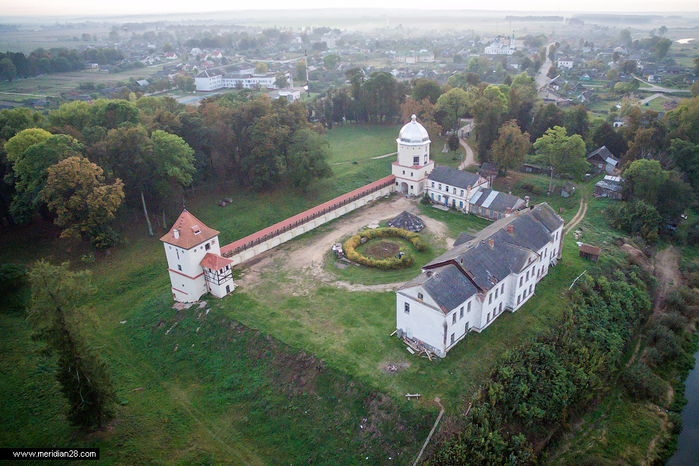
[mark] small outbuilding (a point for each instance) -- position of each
(407, 221)
(590, 252)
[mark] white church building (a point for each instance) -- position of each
(468, 287)
(194, 260)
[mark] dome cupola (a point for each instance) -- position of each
(413, 133)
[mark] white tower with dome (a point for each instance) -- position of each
(413, 164)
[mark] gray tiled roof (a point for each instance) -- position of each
(604, 154)
(511, 252)
(446, 285)
(407, 221)
(453, 177)
(497, 201)
(462, 238)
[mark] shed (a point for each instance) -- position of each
(407, 221)
(590, 252)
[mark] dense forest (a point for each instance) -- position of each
(81, 163)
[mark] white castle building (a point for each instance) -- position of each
(413, 165)
(194, 260)
(467, 288)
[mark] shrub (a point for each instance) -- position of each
(674, 321)
(641, 383)
(385, 264)
(665, 342)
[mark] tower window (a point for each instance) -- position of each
(179, 267)
(416, 160)
(208, 246)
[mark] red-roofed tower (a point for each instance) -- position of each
(194, 260)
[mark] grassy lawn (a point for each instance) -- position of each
(216, 389)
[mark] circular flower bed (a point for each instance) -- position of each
(381, 249)
(390, 262)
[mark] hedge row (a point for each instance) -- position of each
(385, 264)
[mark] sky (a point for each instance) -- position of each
(127, 7)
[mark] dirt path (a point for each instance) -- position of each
(470, 158)
(582, 210)
(666, 268)
(304, 257)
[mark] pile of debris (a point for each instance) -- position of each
(416, 347)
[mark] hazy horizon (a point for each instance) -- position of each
(89, 8)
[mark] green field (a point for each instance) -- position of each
(285, 368)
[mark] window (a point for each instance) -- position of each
(440, 185)
(425, 160)
(490, 299)
(488, 318)
(453, 318)
(502, 288)
(407, 308)
(416, 160)
(521, 279)
(461, 313)
(466, 328)
(179, 267)
(496, 293)
(519, 298)
(461, 203)
(527, 275)
(208, 246)
(452, 338)
(178, 253)
(500, 308)
(419, 296)
(454, 190)
(404, 172)
(462, 192)
(530, 289)
(468, 308)
(433, 184)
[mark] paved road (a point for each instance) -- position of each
(541, 79)
(654, 88)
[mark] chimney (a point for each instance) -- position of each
(176, 233)
(491, 243)
(526, 201)
(509, 228)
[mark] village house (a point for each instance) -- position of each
(602, 160)
(610, 187)
(468, 287)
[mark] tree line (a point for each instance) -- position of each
(56, 60)
(82, 164)
(536, 388)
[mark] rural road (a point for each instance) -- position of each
(541, 79)
(470, 158)
(654, 88)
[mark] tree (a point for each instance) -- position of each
(565, 154)
(613, 74)
(260, 67)
(488, 111)
(425, 112)
(546, 117)
(695, 89)
(661, 48)
(281, 81)
(552, 72)
(55, 316)
(605, 135)
(301, 70)
(308, 158)
(642, 178)
(455, 104)
(113, 36)
(577, 121)
(520, 100)
(686, 157)
(662, 30)
(511, 146)
(426, 89)
(8, 71)
(30, 167)
(637, 218)
(331, 61)
(172, 166)
(83, 204)
(625, 37)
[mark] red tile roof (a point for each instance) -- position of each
(214, 261)
(188, 232)
(277, 228)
